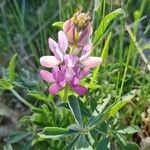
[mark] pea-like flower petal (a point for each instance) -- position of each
(47, 76)
(49, 61)
(80, 90)
(54, 88)
(53, 46)
(92, 62)
(62, 41)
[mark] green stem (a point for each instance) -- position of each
(125, 70)
(65, 97)
(21, 99)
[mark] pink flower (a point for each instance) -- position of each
(89, 62)
(80, 37)
(59, 78)
(58, 49)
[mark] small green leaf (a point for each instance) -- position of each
(12, 67)
(72, 144)
(98, 111)
(104, 54)
(17, 136)
(129, 130)
(103, 144)
(75, 109)
(56, 132)
(114, 109)
(84, 109)
(83, 144)
(38, 95)
(58, 24)
(105, 22)
(5, 84)
(37, 140)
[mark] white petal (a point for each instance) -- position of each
(53, 46)
(92, 62)
(49, 61)
(62, 41)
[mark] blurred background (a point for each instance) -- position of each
(25, 26)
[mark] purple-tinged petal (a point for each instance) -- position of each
(49, 61)
(62, 41)
(53, 46)
(84, 38)
(67, 25)
(89, 29)
(75, 81)
(92, 62)
(69, 30)
(47, 76)
(80, 90)
(69, 74)
(54, 88)
(86, 52)
(55, 73)
(84, 73)
(63, 83)
(70, 60)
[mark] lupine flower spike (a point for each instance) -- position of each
(71, 61)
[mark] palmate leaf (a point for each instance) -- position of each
(111, 110)
(56, 132)
(75, 109)
(82, 144)
(71, 146)
(98, 111)
(105, 22)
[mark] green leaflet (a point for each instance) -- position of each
(75, 109)
(12, 67)
(56, 132)
(105, 22)
(16, 136)
(129, 130)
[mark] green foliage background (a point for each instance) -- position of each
(25, 26)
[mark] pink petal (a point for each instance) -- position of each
(47, 76)
(84, 73)
(53, 46)
(54, 88)
(89, 29)
(49, 61)
(80, 90)
(69, 74)
(62, 41)
(69, 30)
(67, 25)
(86, 52)
(92, 62)
(84, 38)
(70, 60)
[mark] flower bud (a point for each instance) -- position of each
(78, 29)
